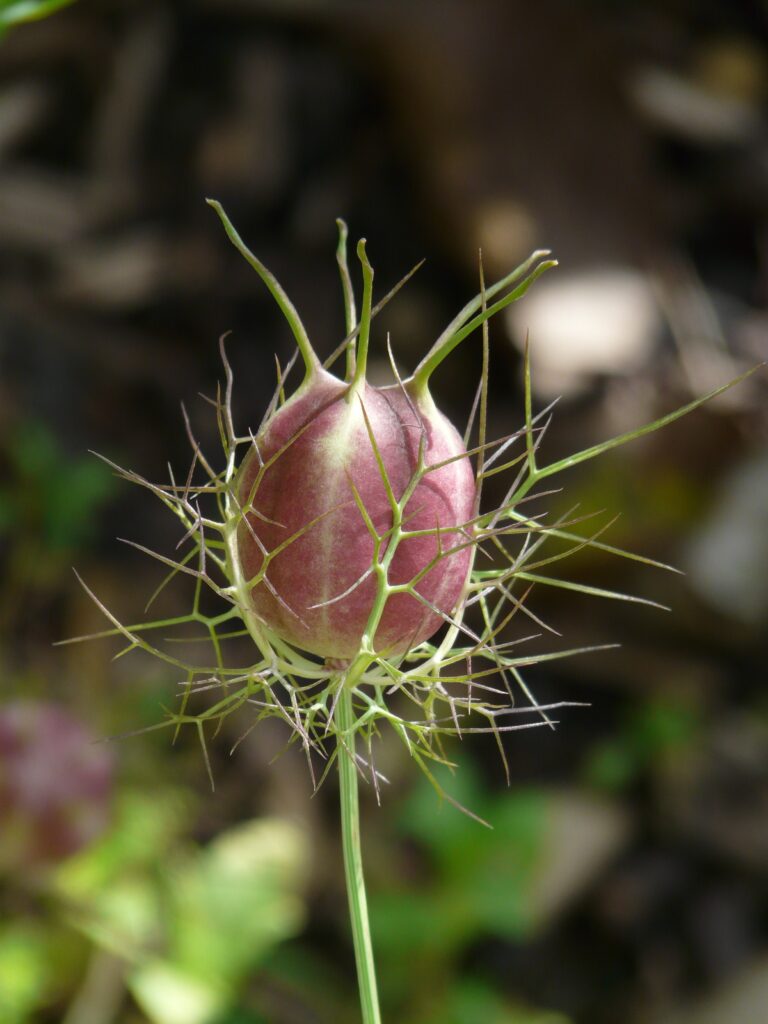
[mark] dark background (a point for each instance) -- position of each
(626, 877)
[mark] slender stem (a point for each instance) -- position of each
(350, 313)
(353, 860)
(331, 359)
(308, 354)
(482, 422)
(446, 343)
(530, 447)
(365, 316)
(648, 428)
(491, 291)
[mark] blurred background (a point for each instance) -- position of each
(626, 878)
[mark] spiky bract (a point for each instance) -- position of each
(421, 687)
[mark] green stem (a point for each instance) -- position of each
(353, 859)
(461, 327)
(350, 313)
(365, 318)
(308, 354)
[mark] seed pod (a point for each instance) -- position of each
(336, 468)
(356, 506)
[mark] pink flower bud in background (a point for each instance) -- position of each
(55, 785)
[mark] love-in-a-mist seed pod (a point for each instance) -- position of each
(356, 506)
(336, 455)
(339, 536)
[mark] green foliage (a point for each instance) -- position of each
(479, 879)
(241, 1017)
(16, 12)
(38, 959)
(225, 907)
(191, 923)
(145, 832)
(660, 728)
(471, 1001)
(236, 899)
(25, 975)
(463, 885)
(47, 493)
(49, 506)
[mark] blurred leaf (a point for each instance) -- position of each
(306, 971)
(224, 908)
(33, 450)
(611, 765)
(240, 1016)
(238, 899)
(50, 494)
(545, 848)
(126, 918)
(143, 835)
(171, 996)
(6, 512)
(15, 12)
(659, 500)
(112, 890)
(660, 727)
(479, 882)
(488, 870)
(24, 972)
(664, 725)
(74, 495)
(444, 831)
(473, 1002)
(192, 922)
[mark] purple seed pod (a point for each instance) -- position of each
(335, 457)
(55, 785)
(353, 523)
